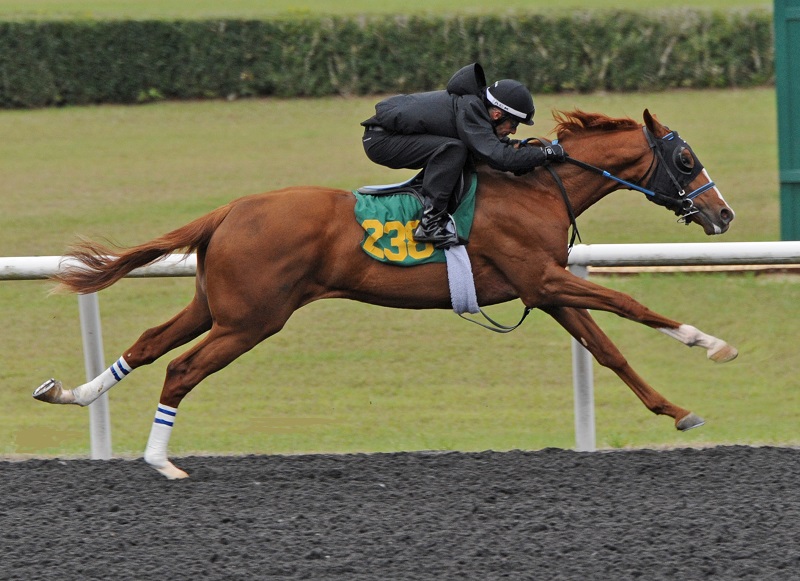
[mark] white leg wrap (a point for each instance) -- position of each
(716, 349)
(88, 392)
(156, 452)
(691, 336)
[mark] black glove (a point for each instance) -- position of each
(554, 152)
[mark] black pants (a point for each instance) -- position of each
(442, 157)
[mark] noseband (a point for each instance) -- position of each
(676, 166)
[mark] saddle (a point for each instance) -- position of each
(413, 187)
(390, 213)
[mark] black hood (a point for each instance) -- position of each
(469, 80)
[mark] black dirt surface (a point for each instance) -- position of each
(722, 513)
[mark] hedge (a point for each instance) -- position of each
(83, 62)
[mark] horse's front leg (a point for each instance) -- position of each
(563, 288)
(716, 349)
(580, 324)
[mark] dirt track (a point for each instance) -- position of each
(723, 513)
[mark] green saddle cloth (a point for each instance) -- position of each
(389, 222)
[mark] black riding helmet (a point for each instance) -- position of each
(512, 97)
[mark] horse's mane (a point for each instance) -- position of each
(577, 121)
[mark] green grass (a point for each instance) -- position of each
(132, 173)
(258, 9)
(348, 377)
(333, 379)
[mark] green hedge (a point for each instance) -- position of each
(56, 63)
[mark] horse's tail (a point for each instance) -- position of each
(102, 266)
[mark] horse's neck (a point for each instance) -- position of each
(624, 154)
(621, 153)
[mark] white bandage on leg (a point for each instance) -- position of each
(156, 452)
(88, 392)
(690, 336)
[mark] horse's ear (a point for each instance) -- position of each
(653, 124)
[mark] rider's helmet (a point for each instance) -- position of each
(512, 97)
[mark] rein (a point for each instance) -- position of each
(683, 206)
(570, 211)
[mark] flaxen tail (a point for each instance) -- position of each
(102, 266)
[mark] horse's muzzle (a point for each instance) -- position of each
(715, 220)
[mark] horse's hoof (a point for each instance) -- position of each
(723, 354)
(51, 391)
(689, 421)
(171, 472)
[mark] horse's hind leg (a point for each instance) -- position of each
(580, 324)
(214, 352)
(190, 323)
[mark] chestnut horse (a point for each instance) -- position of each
(257, 263)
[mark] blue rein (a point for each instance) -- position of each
(651, 193)
(684, 196)
(690, 196)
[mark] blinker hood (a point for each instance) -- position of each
(673, 173)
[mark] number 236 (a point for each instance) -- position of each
(402, 240)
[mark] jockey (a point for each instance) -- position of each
(441, 130)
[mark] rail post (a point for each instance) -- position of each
(583, 385)
(93, 360)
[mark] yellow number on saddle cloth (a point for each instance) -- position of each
(389, 222)
(401, 245)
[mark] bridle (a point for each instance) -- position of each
(676, 166)
(672, 167)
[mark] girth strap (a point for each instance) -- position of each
(494, 325)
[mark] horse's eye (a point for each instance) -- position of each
(684, 160)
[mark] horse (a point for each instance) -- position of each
(262, 257)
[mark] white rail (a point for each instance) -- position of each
(580, 258)
(42, 267)
(686, 254)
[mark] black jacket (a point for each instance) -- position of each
(459, 112)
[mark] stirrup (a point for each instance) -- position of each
(442, 237)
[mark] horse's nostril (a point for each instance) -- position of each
(726, 214)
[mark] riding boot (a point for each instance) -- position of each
(433, 228)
